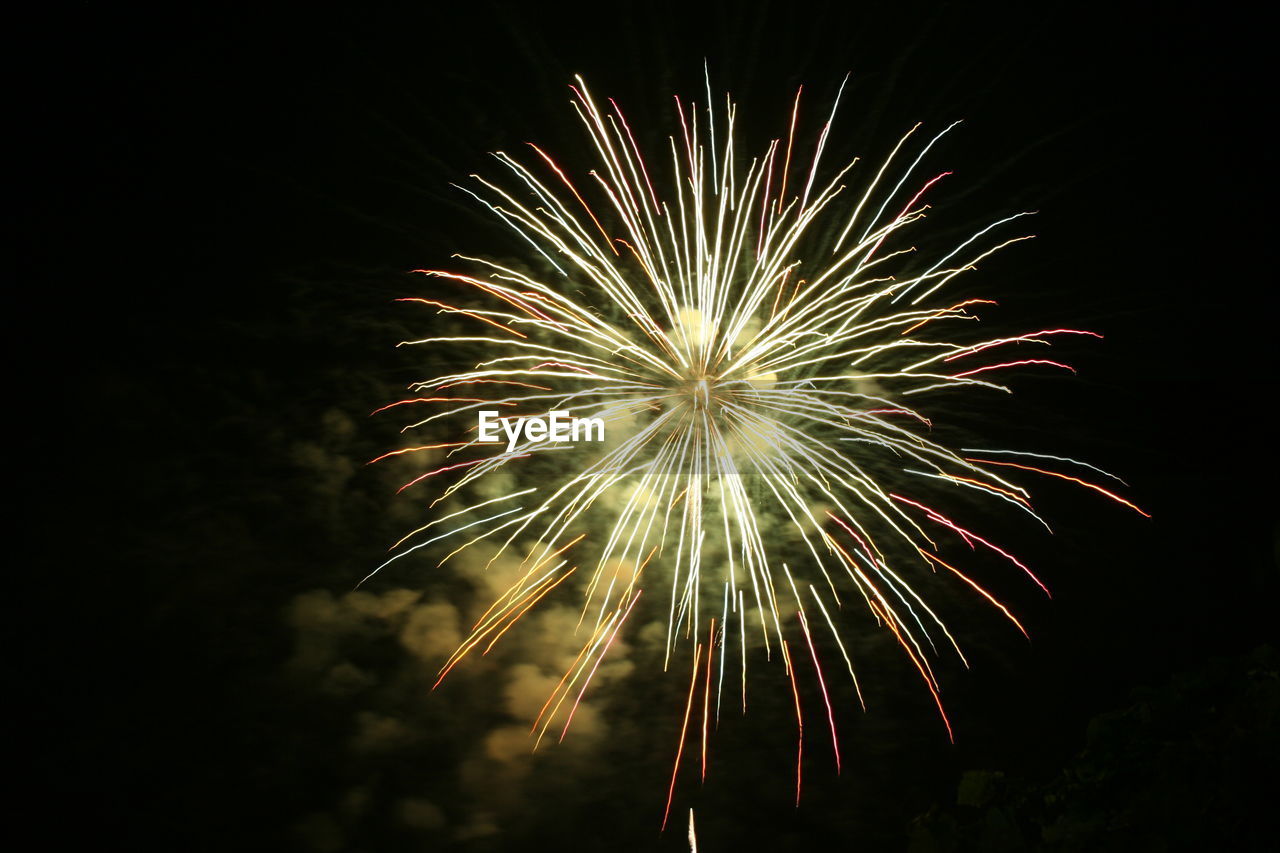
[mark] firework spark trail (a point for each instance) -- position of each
(752, 372)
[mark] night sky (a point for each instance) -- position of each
(220, 208)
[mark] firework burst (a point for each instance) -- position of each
(760, 360)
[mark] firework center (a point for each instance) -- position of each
(556, 426)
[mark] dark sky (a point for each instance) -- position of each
(221, 206)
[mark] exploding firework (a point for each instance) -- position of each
(761, 348)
